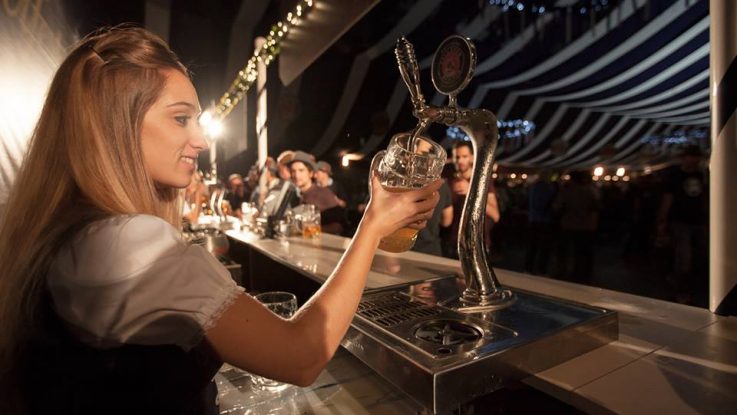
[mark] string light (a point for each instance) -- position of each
(508, 129)
(678, 137)
(539, 6)
(265, 54)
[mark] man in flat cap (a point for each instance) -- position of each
(302, 169)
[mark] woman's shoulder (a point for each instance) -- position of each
(127, 222)
(117, 246)
(134, 229)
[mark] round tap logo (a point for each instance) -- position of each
(453, 65)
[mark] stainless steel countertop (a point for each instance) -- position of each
(670, 358)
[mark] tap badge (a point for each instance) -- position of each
(453, 65)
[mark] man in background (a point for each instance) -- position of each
(428, 239)
(302, 171)
(266, 195)
(324, 178)
(237, 193)
(459, 184)
(540, 221)
(684, 215)
(285, 157)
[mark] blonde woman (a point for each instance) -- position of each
(103, 308)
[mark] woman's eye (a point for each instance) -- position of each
(182, 119)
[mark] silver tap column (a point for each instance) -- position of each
(723, 165)
(483, 291)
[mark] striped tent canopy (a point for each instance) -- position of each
(611, 83)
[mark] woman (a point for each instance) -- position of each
(103, 308)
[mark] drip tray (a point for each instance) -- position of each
(443, 358)
(436, 332)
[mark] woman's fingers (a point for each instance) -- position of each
(417, 225)
(427, 204)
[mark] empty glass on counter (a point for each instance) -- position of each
(249, 212)
(283, 304)
(408, 163)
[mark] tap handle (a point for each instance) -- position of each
(410, 70)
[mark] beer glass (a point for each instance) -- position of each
(308, 221)
(408, 163)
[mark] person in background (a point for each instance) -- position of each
(302, 170)
(324, 178)
(577, 205)
(195, 195)
(428, 240)
(267, 193)
(684, 216)
(459, 183)
(236, 194)
(540, 221)
(285, 157)
(104, 308)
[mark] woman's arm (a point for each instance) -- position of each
(249, 336)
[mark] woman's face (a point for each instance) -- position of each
(171, 137)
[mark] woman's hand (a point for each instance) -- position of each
(388, 211)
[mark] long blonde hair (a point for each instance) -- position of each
(84, 162)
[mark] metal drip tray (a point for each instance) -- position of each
(447, 332)
(443, 358)
(392, 309)
(435, 331)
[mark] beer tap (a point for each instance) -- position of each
(452, 69)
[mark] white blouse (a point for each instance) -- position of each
(132, 279)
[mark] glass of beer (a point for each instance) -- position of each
(308, 221)
(408, 163)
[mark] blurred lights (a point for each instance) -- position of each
(346, 158)
(524, 176)
(598, 171)
(607, 178)
(620, 171)
(508, 129)
(513, 176)
(213, 128)
(626, 178)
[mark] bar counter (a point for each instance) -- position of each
(670, 358)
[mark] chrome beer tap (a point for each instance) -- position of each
(452, 69)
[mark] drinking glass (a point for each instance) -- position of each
(308, 220)
(408, 163)
(283, 304)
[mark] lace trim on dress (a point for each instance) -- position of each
(229, 299)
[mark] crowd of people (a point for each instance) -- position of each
(648, 235)
(294, 175)
(546, 225)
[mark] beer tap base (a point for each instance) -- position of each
(472, 301)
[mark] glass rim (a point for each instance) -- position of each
(438, 153)
(285, 297)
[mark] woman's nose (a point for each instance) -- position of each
(199, 141)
